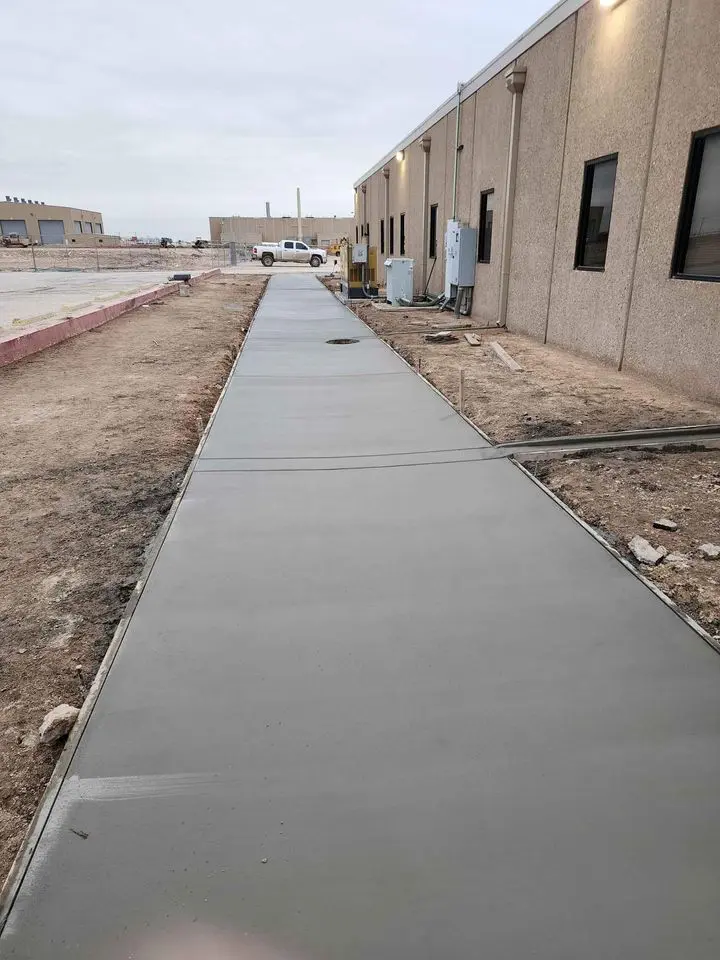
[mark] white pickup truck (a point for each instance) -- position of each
(289, 251)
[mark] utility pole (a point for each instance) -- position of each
(299, 224)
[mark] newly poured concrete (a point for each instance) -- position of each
(452, 723)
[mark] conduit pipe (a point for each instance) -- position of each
(515, 82)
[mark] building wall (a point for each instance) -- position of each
(674, 325)
(615, 76)
(274, 229)
(635, 81)
(539, 176)
(31, 213)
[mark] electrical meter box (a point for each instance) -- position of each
(399, 279)
(360, 253)
(460, 256)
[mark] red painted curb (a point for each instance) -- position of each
(26, 344)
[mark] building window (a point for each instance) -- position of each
(382, 236)
(97, 228)
(77, 226)
(391, 238)
(367, 233)
(433, 231)
(697, 249)
(487, 203)
(402, 234)
(595, 213)
(356, 235)
(87, 227)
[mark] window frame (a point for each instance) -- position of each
(382, 237)
(585, 198)
(687, 207)
(402, 234)
(391, 237)
(484, 194)
(432, 232)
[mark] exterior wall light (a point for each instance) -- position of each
(400, 156)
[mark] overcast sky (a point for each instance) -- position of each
(160, 113)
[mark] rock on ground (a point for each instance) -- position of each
(644, 552)
(711, 551)
(664, 524)
(58, 723)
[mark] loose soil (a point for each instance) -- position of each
(559, 394)
(97, 435)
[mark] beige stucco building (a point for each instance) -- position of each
(46, 224)
(318, 231)
(588, 157)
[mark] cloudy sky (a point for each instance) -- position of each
(160, 113)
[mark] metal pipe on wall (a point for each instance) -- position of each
(386, 174)
(515, 82)
(425, 144)
(457, 151)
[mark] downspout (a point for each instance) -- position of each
(457, 151)
(515, 82)
(425, 144)
(386, 174)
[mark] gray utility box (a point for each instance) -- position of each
(399, 279)
(460, 256)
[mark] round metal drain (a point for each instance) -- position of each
(342, 340)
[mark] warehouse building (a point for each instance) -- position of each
(587, 157)
(316, 231)
(48, 224)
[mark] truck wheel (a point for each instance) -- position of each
(315, 261)
(267, 259)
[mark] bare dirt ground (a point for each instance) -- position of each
(97, 434)
(559, 394)
(112, 258)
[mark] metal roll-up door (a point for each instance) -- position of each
(52, 231)
(13, 226)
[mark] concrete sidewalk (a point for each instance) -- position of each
(381, 701)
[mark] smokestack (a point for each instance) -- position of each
(267, 210)
(299, 225)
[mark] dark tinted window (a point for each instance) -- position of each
(487, 202)
(382, 236)
(402, 234)
(595, 213)
(392, 235)
(697, 252)
(433, 230)
(289, 245)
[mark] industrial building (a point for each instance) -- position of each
(586, 160)
(316, 231)
(47, 224)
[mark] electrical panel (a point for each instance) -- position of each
(399, 279)
(360, 253)
(460, 256)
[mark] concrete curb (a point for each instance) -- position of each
(25, 344)
(10, 888)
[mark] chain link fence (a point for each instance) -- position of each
(141, 257)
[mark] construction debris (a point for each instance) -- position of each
(665, 524)
(58, 723)
(443, 336)
(505, 357)
(473, 339)
(644, 552)
(710, 551)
